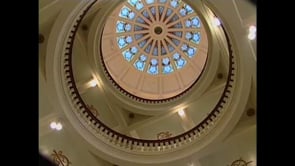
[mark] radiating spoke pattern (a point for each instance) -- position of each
(158, 36)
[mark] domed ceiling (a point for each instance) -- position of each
(148, 52)
(146, 77)
(154, 49)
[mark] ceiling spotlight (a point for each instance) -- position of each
(93, 83)
(252, 36)
(53, 125)
(252, 29)
(252, 32)
(181, 113)
(56, 126)
(216, 21)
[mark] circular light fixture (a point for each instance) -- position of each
(251, 36)
(53, 125)
(252, 32)
(252, 29)
(58, 126)
(93, 83)
(181, 113)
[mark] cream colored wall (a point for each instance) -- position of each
(241, 145)
(67, 139)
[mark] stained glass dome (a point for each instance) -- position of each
(159, 33)
(157, 38)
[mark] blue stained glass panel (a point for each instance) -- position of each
(180, 63)
(128, 39)
(163, 51)
(131, 15)
(128, 27)
(191, 52)
(134, 50)
(176, 56)
(143, 58)
(196, 22)
(174, 3)
(169, 12)
(139, 65)
(124, 12)
(139, 6)
(149, 1)
(120, 27)
(139, 20)
(161, 9)
(174, 18)
(182, 12)
(127, 13)
(133, 2)
(148, 48)
(170, 47)
(179, 34)
(184, 47)
(178, 25)
(189, 9)
(188, 35)
(154, 62)
(138, 36)
(165, 61)
(196, 37)
(188, 23)
(145, 14)
(121, 42)
(128, 55)
(153, 11)
(155, 51)
(153, 70)
(176, 42)
(142, 43)
(167, 69)
(137, 28)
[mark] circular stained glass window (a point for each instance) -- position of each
(154, 38)
(158, 36)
